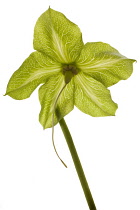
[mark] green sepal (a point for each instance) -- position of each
(92, 97)
(48, 94)
(104, 63)
(57, 37)
(36, 69)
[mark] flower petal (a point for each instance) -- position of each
(92, 98)
(48, 94)
(58, 37)
(104, 63)
(34, 71)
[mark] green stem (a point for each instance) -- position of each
(77, 164)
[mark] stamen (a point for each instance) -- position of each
(53, 125)
(69, 71)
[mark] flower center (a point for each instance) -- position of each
(69, 71)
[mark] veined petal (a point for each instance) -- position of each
(36, 69)
(57, 36)
(104, 63)
(48, 94)
(92, 97)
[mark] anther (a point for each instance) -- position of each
(69, 71)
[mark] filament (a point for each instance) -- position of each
(53, 125)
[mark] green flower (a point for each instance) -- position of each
(62, 62)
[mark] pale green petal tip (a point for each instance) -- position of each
(112, 110)
(49, 9)
(5, 94)
(134, 61)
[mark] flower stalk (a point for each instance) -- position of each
(77, 164)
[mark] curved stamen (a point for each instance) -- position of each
(53, 126)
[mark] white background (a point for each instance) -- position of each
(31, 176)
